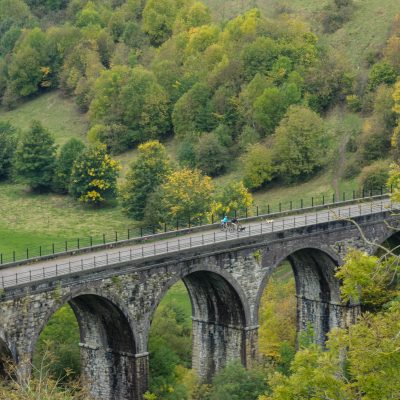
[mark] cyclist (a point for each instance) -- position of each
(224, 221)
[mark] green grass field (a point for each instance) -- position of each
(57, 113)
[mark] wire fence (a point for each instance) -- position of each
(191, 241)
(68, 245)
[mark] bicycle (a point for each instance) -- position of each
(227, 226)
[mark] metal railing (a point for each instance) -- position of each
(68, 245)
(188, 242)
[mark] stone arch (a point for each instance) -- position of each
(391, 240)
(219, 318)
(317, 289)
(107, 346)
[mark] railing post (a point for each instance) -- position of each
(333, 198)
(66, 245)
(14, 255)
(27, 253)
(291, 205)
(354, 194)
(212, 218)
(323, 199)
(40, 251)
(116, 236)
(301, 203)
(312, 201)
(257, 211)
(344, 196)
(280, 207)
(104, 238)
(246, 212)
(129, 233)
(268, 209)
(91, 241)
(165, 227)
(77, 243)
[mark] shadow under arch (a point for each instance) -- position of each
(317, 289)
(219, 319)
(107, 346)
(5, 358)
(391, 241)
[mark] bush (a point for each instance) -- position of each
(336, 14)
(375, 176)
(211, 157)
(116, 137)
(381, 73)
(187, 153)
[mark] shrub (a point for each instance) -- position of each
(211, 157)
(375, 176)
(381, 73)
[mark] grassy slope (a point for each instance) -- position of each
(57, 113)
(365, 33)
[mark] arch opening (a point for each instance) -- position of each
(277, 333)
(206, 309)
(317, 291)
(104, 346)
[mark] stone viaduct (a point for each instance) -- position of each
(114, 304)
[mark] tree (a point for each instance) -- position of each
(375, 176)
(146, 106)
(159, 17)
(300, 147)
(186, 194)
(94, 176)
(8, 142)
(146, 174)
(69, 152)
(211, 157)
(233, 196)
(35, 158)
(258, 166)
(192, 113)
(235, 382)
(381, 73)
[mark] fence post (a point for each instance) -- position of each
(246, 212)
(290, 205)
(323, 199)
(257, 211)
(333, 198)
(40, 251)
(27, 253)
(116, 236)
(268, 209)
(354, 194)
(91, 241)
(129, 233)
(301, 203)
(344, 196)
(212, 218)
(14, 255)
(177, 224)
(1, 258)
(104, 238)
(165, 227)
(280, 207)
(312, 201)
(77, 243)
(66, 245)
